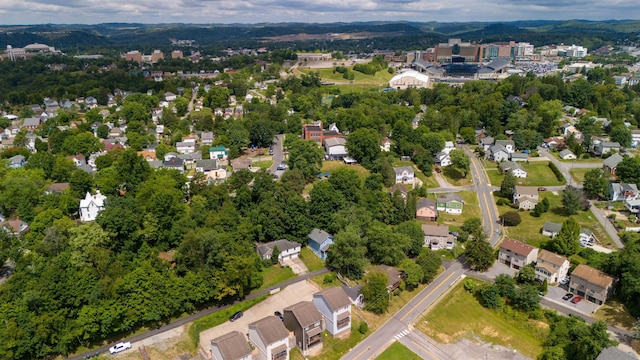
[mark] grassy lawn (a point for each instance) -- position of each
(538, 174)
(275, 274)
(219, 317)
(398, 351)
(264, 164)
(454, 177)
(311, 260)
(615, 313)
(470, 210)
(530, 228)
(578, 174)
(333, 165)
(591, 160)
(460, 315)
(382, 77)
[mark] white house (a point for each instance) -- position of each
(185, 147)
(551, 267)
(509, 145)
(91, 205)
(632, 205)
(288, 250)
(518, 156)
(404, 175)
(498, 153)
(336, 146)
(515, 168)
(622, 191)
(335, 307)
(526, 197)
(169, 96)
(270, 337)
(635, 138)
(385, 145)
(567, 154)
(448, 147)
(443, 159)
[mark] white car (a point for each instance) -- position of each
(564, 281)
(120, 347)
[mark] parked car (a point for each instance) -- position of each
(236, 316)
(564, 281)
(576, 299)
(567, 296)
(122, 346)
(282, 166)
(279, 314)
(542, 188)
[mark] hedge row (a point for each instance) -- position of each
(556, 171)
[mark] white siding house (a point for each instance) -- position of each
(91, 205)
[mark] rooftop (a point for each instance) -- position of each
(592, 275)
(335, 297)
(232, 345)
(517, 247)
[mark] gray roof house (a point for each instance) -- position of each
(516, 169)
(305, 321)
(498, 153)
(606, 146)
(335, 306)
(270, 337)
(610, 164)
(288, 249)
(319, 242)
(507, 144)
(613, 353)
(231, 346)
(567, 154)
(518, 156)
(551, 229)
(450, 203)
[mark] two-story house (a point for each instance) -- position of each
(335, 307)
(17, 162)
(270, 337)
(551, 267)
(591, 284)
(622, 192)
(213, 170)
(288, 250)
(218, 152)
(404, 175)
(306, 323)
(426, 210)
(509, 145)
(516, 254)
(526, 197)
(335, 147)
(15, 227)
(386, 144)
(207, 138)
(319, 242)
(605, 147)
(91, 206)
(451, 203)
(437, 237)
(498, 153)
(486, 142)
(516, 169)
(231, 346)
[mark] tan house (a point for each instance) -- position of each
(551, 267)
(231, 346)
(516, 254)
(526, 197)
(426, 210)
(591, 284)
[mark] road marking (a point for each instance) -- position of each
(432, 355)
(402, 334)
(426, 296)
(486, 203)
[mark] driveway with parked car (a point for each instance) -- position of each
(292, 294)
(561, 296)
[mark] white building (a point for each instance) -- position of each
(409, 79)
(91, 205)
(404, 175)
(335, 307)
(270, 337)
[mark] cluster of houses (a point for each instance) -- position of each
(301, 325)
(585, 281)
(552, 229)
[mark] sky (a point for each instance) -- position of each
(14, 12)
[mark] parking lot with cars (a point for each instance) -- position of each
(559, 295)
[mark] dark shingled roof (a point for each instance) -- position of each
(305, 312)
(270, 329)
(232, 345)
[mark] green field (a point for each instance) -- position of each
(311, 260)
(459, 315)
(333, 165)
(264, 164)
(275, 274)
(454, 177)
(578, 174)
(529, 230)
(584, 161)
(470, 210)
(382, 77)
(538, 174)
(398, 351)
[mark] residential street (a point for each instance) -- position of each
(278, 154)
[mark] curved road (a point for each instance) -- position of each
(198, 315)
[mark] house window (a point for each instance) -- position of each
(343, 322)
(315, 339)
(280, 355)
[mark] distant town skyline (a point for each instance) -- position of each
(24, 12)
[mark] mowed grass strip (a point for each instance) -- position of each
(459, 315)
(379, 78)
(333, 165)
(398, 351)
(538, 174)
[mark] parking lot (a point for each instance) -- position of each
(292, 294)
(555, 294)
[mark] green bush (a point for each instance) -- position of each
(511, 218)
(363, 328)
(329, 278)
(555, 171)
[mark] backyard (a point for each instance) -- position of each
(454, 176)
(538, 174)
(470, 210)
(509, 328)
(333, 165)
(529, 230)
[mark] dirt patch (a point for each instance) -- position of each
(489, 331)
(540, 324)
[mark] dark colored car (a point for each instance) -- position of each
(576, 299)
(236, 316)
(567, 296)
(279, 314)
(541, 188)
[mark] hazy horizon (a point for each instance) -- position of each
(31, 12)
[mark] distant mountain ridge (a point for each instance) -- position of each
(135, 34)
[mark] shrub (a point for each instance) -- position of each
(363, 328)
(511, 218)
(503, 201)
(555, 171)
(329, 278)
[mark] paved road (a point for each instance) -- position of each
(607, 225)
(278, 154)
(198, 315)
(483, 188)
(403, 320)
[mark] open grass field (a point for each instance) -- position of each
(538, 174)
(470, 210)
(333, 165)
(615, 313)
(460, 315)
(264, 164)
(398, 351)
(380, 78)
(454, 177)
(578, 174)
(275, 274)
(529, 230)
(311, 260)
(592, 160)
